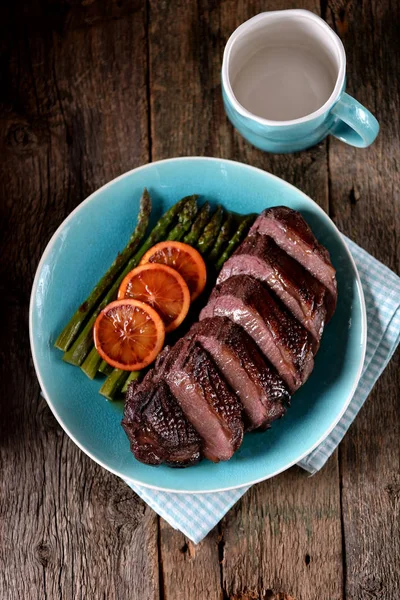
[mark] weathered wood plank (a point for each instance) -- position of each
(189, 570)
(365, 199)
(292, 516)
(283, 539)
(73, 116)
(183, 101)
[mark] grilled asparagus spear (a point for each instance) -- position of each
(210, 233)
(235, 240)
(185, 220)
(71, 330)
(197, 228)
(222, 239)
(84, 342)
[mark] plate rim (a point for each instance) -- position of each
(46, 396)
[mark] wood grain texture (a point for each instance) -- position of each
(284, 537)
(183, 111)
(74, 115)
(188, 570)
(365, 202)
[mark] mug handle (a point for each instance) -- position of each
(356, 125)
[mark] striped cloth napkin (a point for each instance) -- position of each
(196, 514)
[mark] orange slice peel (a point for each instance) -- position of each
(160, 286)
(183, 258)
(129, 334)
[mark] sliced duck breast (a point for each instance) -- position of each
(262, 392)
(281, 338)
(156, 427)
(304, 296)
(208, 403)
(291, 232)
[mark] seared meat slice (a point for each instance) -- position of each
(251, 349)
(205, 398)
(290, 231)
(279, 336)
(262, 392)
(302, 294)
(157, 428)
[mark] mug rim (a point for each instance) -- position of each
(244, 27)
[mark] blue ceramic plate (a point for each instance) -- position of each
(84, 246)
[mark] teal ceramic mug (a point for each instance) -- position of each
(283, 84)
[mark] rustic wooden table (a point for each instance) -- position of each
(92, 89)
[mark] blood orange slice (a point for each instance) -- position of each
(129, 334)
(184, 259)
(163, 288)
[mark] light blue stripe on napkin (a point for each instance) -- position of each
(196, 514)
